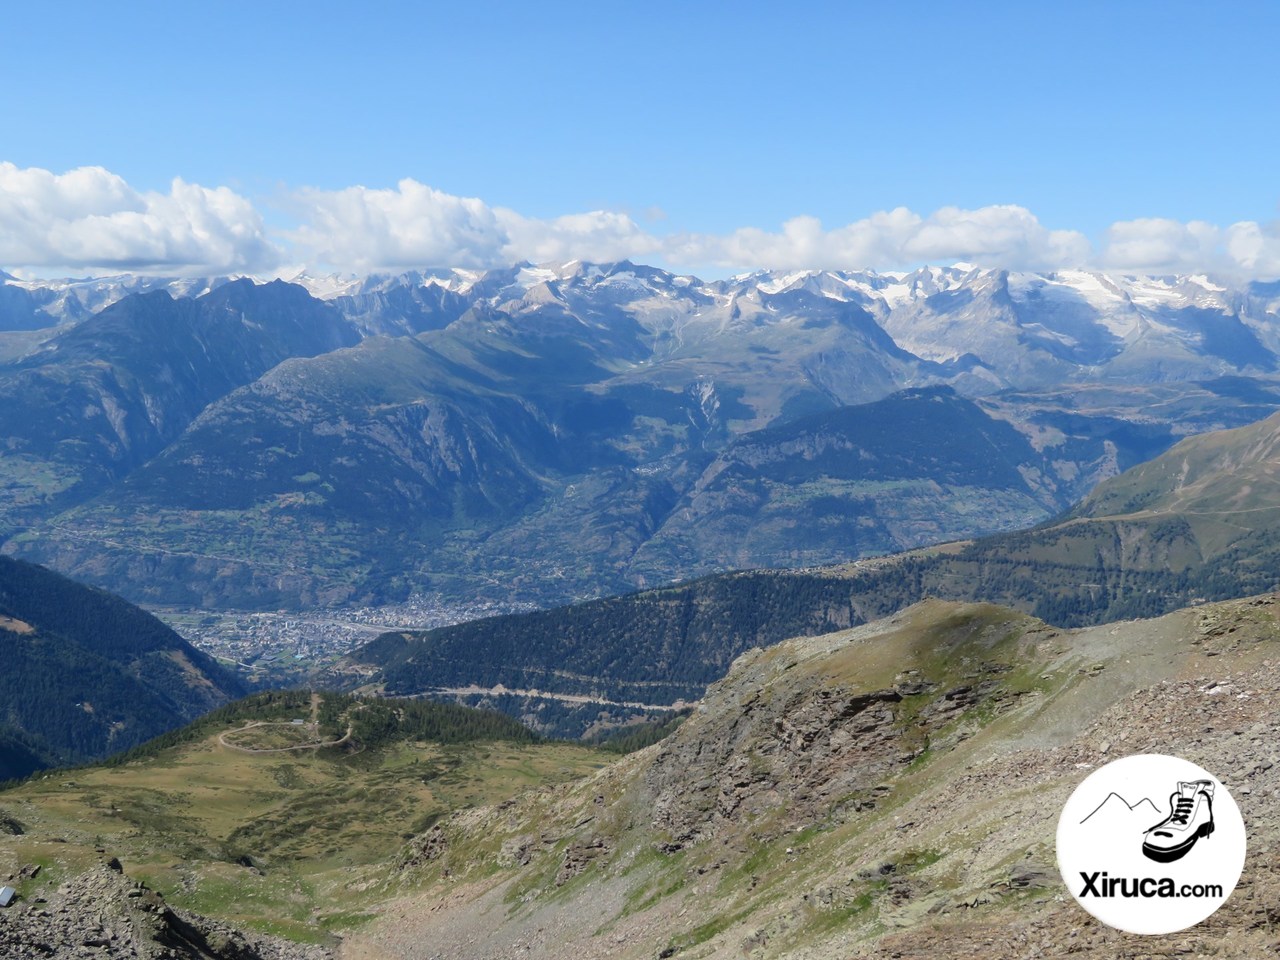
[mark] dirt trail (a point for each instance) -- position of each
(222, 738)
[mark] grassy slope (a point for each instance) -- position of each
(278, 841)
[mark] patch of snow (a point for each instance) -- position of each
(530, 276)
(777, 284)
(329, 286)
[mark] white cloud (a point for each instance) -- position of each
(1005, 236)
(1245, 250)
(1154, 245)
(91, 218)
(1255, 248)
(411, 226)
(1002, 235)
(415, 225)
(599, 235)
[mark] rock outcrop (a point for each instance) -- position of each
(102, 914)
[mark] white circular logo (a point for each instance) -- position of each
(1151, 844)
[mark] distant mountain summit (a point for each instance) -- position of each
(1017, 328)
(1014, 329)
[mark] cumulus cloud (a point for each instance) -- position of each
(415, 225)
(411, 226)
(90, 218)
(599, 235)
(1255, 248)
(1155, 245)
(1004, 236)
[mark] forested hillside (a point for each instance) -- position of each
(87, 673)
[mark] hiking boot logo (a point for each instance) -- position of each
(1190, 818)
(1126, 855)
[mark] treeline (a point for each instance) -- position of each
(633, 738)
(265, 706)
(376, 722)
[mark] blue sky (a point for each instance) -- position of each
(693, 121)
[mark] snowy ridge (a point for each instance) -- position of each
(1008, 329)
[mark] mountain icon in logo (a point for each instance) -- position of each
(1116, 809)
(1189, 819)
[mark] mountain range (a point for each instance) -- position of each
(540, 434)
(847, 785)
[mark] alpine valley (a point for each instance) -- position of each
(953, 485)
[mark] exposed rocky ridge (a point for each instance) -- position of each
(101, 913)
(888, 791)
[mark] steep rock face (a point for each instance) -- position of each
(400, 309)
(799, 729)
(798, 752)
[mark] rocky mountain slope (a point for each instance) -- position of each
(103, 396)
(920, 467)
(1198, 522)
(890, 790)
(102, 913)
